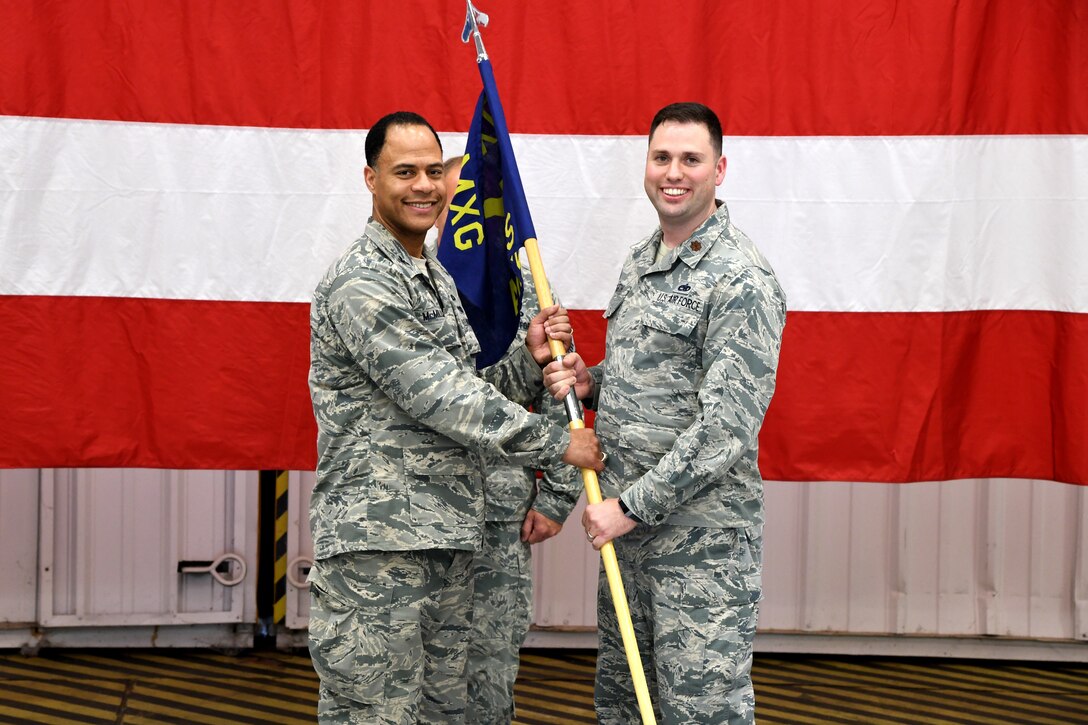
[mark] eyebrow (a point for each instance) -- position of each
(683, 152)
(412, 167)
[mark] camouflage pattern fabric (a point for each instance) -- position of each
(693, 594)
(503, 573)
(502, 610)
(689, 370)
(402, 415)
(403, 420)
(388, 633)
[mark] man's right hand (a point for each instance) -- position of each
(584, 450)
(558, 377)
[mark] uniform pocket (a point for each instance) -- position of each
(677, 322)
(651, 439)
(343, 655)
(446, 485)
(720, 608)
(670, 350)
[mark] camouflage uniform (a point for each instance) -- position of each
(397, 508)
(689, 370)
(502, 568)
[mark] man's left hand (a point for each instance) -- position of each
(537, 527)
(605, 521)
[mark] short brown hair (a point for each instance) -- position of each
(691, 113)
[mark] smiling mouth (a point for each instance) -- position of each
(672, 191)
(421, 205)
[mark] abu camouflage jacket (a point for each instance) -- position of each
(689, 370)
(402, 414)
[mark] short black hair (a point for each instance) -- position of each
(691, 113)
(375, 137)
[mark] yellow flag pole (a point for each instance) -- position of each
(473, 20)
(593, 495)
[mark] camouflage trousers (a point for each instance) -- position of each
(501, 616)
(693, 595)
(389, 635)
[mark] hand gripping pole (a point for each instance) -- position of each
(593, 495)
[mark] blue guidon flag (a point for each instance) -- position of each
(488, 223)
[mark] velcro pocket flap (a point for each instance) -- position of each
(430, 461)
(674, 322)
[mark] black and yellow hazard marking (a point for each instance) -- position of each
(556, 686)
(279, 606)
(271, 557)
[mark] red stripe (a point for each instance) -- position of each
(861, 397)
(930, 396)
(852, 67)
(91, 381)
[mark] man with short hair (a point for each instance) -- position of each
(517, 513)
(694, 330)
(402, 416)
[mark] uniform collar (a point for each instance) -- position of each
(388, 245)
(693, 249)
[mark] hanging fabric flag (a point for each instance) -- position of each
(487, 225)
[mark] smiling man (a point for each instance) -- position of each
(402, 418)
(694, 329)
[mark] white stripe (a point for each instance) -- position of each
(850, 223)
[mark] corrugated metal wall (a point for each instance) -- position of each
(957, 558)
(123, 549)
(979, 558)
(19, 546)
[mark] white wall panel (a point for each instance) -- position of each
(940, 560)
(1080, 572)
(871, 551)
(300, 548)
(956, 559)
(827, 546)
(111, 541)
(565, 571)
(18, 545)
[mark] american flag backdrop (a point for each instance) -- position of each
(175, 176)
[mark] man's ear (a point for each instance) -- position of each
(369, 174)
(719, 171)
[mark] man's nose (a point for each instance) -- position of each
(424, 183)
